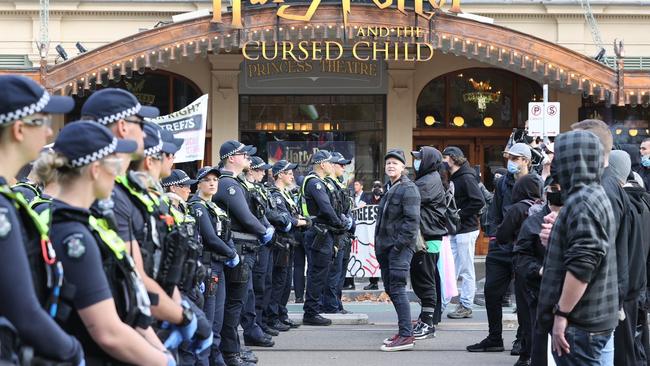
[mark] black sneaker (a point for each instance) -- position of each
(423, 331)
(280, 327)
(523, 361)
(516, 348)
(248, 356)
(290, 323)
(264, 342)
(317, 320)
(269, 331)
(234, 359)
(371, 286)
(487, 345)
(299, 300)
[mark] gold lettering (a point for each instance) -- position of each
(375, 49)
(361, 32)
(216, 11)
(236, 14)
(282, 12)
(337, 45)
(308, 66)
(305, 51)
(419, 51)
(287, 49)
(354, 51)
(384, 5)
(364, 68)
(373, 69)
(372, 31)
(406, 52)
(346, 10)
(291, 67)
(245, 53)
(275, 51)
(384, 32)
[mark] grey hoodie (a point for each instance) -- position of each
(581, 239)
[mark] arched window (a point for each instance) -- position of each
(475, 98)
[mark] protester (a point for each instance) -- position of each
(361, 198)
(580, 305)
(375, 198)
(425, 278)
(469, 200)
(395, 238)
(644, 167)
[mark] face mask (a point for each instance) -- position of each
(555, 198)
(446, 165)
(377, 192)
(645, 161)
(513, 167)
(416, 164)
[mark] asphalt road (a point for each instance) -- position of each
(359, 344)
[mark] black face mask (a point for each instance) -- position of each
(377, 192)
(555, 198)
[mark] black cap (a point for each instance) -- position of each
(168, 136)
(340, 159)
(207, 170)
(397, 154)
(417, 154)
(178, 178)
(168, 145)
(258, 164)
(453, 151)
(21, 96)
(232, 147)
(283, 165)
(111, 105)
(322, 156)
(84, 142)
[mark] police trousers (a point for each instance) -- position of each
(281, 284)
(237, 280)
(249, 320)
(214, 307)
(319, 255)
(331, 300)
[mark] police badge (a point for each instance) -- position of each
(278, 200)
(5, 224)
(319, 186)
(231, 191)
(75, 248)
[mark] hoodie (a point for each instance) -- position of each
(432, 194)
(581, 239)
(639, 240)
(525, 193)
(529, 251)
(469, 198)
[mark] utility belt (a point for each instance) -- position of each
(173, 261)
(238, 235)
(208, 257)
(13, 352)
(285, 241)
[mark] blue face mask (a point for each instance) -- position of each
(645, 161)
(446, 165)
(513, 167)
(416, 164)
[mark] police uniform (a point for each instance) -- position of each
(331, 301)
(283, 248)
(24, 291)
(29, 190)
(316, 202)
(86, 244)
(213, 225)
(247, 229)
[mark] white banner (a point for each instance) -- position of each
(188, 124)
(363, 262)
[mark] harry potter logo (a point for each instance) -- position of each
(136, 89)
(285, 12)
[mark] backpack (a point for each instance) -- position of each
(452, 213)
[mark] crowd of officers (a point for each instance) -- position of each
(108, 257)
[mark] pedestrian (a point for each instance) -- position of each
(104, 317)
(317, 196)
(234, 196)
(529, 253)
(375, 198)
(469, 201)
(25, 125)
(580, 303)
(361, 198)
(644, 167)
(396, 234)
(425, 278)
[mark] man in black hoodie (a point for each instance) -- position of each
(469, 200)
(425, 278)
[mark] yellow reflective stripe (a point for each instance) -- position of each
(288, 198)
(21, 203)
(144, 198)
(108, 236)
(303, 200)
(179, 217)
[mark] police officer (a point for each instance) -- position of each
(25, 120)
(284, 245)
(86, 167)
(214, 229)
(343, 205)
(248, 232)
(121, 112)
(316, 202)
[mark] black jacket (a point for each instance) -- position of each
(502, 201)
(469, 198)
(399, 217)
(432, 194)
(645, 175)
(529, 251)
(524, 194)
(639, 240)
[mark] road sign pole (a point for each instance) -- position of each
(545, 89)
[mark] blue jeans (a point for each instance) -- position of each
(585, 348)
(607, 355)
(395, 267)
(462, 247)
(215, 300)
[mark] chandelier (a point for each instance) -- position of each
(482, 94)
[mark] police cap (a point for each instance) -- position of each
(232, 147)
(340, 159)
(322, 156)
(178, 178)
(84, 142)
(21, 97)
(283, 165)
(258, 164)
(207, 170)
(111, 105)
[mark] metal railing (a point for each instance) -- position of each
(630, 63)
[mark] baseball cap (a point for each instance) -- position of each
(453, 151)
(397, 154)
(520, 149)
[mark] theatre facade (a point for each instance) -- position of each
(359, 80)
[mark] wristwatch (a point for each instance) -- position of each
(558, 312)
(188, 315)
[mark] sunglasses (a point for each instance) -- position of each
(38, 121)
(136, 121)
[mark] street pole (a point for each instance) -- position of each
(545, 100)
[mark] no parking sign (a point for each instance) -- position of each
(543, 121)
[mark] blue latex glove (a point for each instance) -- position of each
(188, 330)
(286, 229)
(348, 224)
(232, 263)
(202, 287)
(170, 360)
(268, 235)
(174, 340)
(199, 346)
